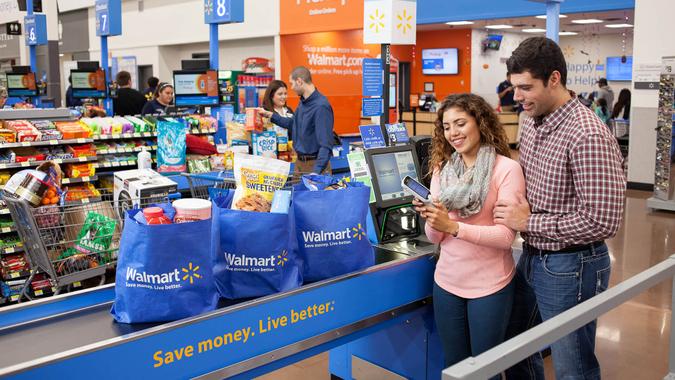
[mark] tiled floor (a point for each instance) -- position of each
(633, 339)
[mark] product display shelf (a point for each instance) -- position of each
(118, 136)
(29, 164)
(69, 181)
(127, 150)
(56, 114)
(45, 143)
(6, 230)
(11, 250)
(84, 201)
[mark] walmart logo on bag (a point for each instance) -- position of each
(162, 281)
(243, 263)
(320, 239)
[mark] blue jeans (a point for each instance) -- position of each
(469, 327)
(547, 285)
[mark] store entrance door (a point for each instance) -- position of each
(144, 73)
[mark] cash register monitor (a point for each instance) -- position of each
(388, 166)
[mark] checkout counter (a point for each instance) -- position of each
(381, 316)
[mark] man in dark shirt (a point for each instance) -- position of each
(311, 127)
(505, 93)
(129, 101)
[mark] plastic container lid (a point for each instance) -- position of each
(153, 212)
(192, 204)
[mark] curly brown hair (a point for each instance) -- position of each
(491, 130)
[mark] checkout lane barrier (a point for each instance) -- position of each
(514, 350)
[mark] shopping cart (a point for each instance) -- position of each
(206, 186)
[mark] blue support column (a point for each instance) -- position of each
(32, 52)
(107, 102)
(553, 19)
(213, 46)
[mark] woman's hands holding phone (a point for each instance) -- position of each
(436, 216)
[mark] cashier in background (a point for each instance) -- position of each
(163, 99)
(311, 127)
(3, 97)
(275, 99)
(505, 93)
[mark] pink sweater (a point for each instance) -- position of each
(478, 262)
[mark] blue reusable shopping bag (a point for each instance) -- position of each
(254, 258)
(330, 228)
(164, 272)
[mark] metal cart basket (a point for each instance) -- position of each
(69, 243)
(204, 186)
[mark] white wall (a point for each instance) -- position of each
(484, 80)
(653, 39)
(581, 76)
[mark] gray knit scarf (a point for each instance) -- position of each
(464, 189)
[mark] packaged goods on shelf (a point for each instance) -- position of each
(80, 170)
(13, 264)
(127, 126)
(4, 177)
(51, 134)
(171, 148)
(73, 129)
(151, 121)
(7, 136)
(139, 125)
(79, 192)
(10, 242)
(56, 153)
(43, 125)
(27, 154)
(84, 150)
(93, 125)
(24, 130)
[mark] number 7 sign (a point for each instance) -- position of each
(108, 17)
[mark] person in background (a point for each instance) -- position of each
(71, 101)
(129, 101)
(605, 92)
(505, 93)
(575, 196)
(311, 127)
(163, 99)
(473, 283)
(275, 98)
(149, 92)
(601, 110)
(623, 103)
(3, 97)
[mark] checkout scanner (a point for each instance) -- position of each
(393, 223)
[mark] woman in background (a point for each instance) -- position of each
(163, 99)
(602, 110)
(623, 103)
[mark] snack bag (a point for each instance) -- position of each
(171, 147)
(257, 179)
(95, 237)
(236, 131)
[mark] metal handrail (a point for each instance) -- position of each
(522, 346)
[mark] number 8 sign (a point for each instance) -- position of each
(223, 11)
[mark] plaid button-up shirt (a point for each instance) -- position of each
(574, 178)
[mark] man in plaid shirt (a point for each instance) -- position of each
(575, 195)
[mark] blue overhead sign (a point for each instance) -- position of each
(108, 17)
(36, 29)
(372, 136)
(371, 107)
(223, 11)
(372, 77)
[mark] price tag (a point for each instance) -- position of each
(25, 164)
(127, 135)
(85, 179)
(77, 284)
(38, 292)
(115, 164)
(115, 136)
(53, 289)
(14, 275)
(85, 201)
(65, 181)
(6, 230)
(83, 159)
(58, 161)
(53, 142)
(127, 150)
(80, 141)
(3, 166)
(25, 143)
(147, 134)
(14, 298)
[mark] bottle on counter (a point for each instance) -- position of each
(144, 159)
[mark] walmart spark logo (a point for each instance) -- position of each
(404, 21)
(376, 21)
(191, 273)
(282, 259)
(208, 7)
(359, 232)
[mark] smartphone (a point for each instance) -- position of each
(418, 190)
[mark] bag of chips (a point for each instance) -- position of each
(257, 179)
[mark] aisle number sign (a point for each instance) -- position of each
(108, 17)
(390, 22)
(223, 11)
(36, 30)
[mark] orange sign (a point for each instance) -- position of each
(208, 83)
(97, 80)
(306, 16)
(28, 81)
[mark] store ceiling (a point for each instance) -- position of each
(611, 17)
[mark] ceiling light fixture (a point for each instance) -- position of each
(563, 33)
(544, 16)
(587, 21)
(498, 27)
(618, 26)
(460, 23)
(534, 30)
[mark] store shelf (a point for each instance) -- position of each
(44, 143)
(83, 201)
(6, 230)
(9, 251)
(68, 181)
(4, 211)
(124, 136)
(15, 275)
(126, 150)
(115, 164)
(37, 113)
(29, 164)
(204, 131)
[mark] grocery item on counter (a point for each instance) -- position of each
(155, 215)
(199, 145)
(265, 144)
(281, 202)
(257, 179)
(217, 162)
(229, 160)
(191, 209)
(171, 147)
(144, 160)
(198, 164)
(236, 131)
(254, 122)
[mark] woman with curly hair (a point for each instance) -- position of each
(471, 170)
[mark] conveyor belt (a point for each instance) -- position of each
(84, 327)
